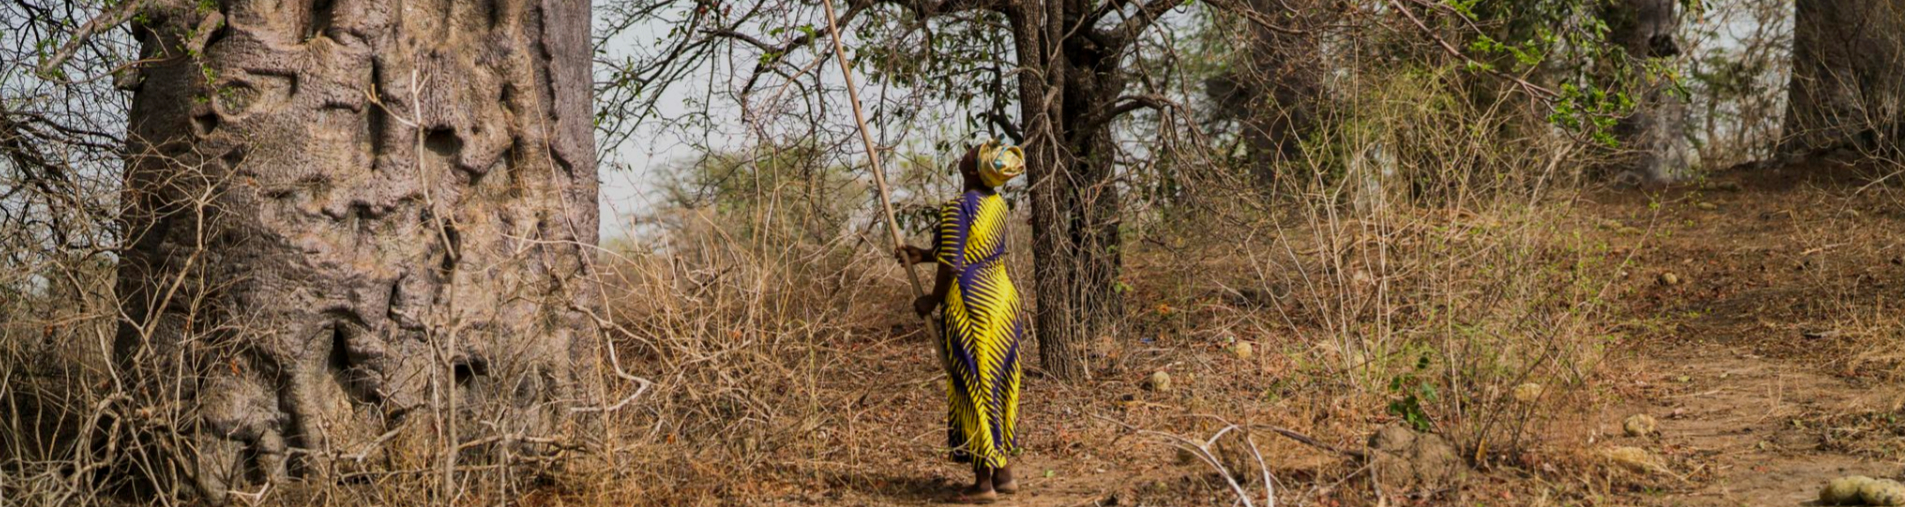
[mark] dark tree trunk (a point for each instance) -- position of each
(1273, 93)
(357, 226)
(1071, 167)
(1848, 83)
(1656, 133)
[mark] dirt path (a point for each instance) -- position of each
(1736, 423)
(1070, 485)
(1757, 383)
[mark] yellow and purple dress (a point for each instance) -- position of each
(982, 324)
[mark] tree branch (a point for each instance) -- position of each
(1257, 18)
(921, 8)
(751, 40)
(1132, 27)
(1005, 124)
(776, 52)
(1124, 105)
(1532, 89)
(111, 18)
(927, 9)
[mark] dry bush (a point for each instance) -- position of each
(748, 302)
(1421, 260)
(1418, 263)
(1421, 267)
(53, 381)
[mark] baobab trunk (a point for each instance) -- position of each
(358, 231)
(1655, 134)
(1848, 83)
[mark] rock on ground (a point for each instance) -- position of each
(1413, 461)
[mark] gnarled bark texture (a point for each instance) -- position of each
(1848, 83)
(358, 230)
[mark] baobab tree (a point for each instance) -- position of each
(1654, 134)
(348, 225)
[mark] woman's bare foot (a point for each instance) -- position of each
(981, 491)
(1002, 481)
(977, 494)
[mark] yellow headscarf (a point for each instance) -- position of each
(999, 163)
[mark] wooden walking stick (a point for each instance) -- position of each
(873, 156)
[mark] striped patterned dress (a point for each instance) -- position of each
(982, 324)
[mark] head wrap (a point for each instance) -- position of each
(999, 163)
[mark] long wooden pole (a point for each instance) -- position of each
(873, 155)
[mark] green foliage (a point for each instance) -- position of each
(1570, 43)
(1593, 111)
(1411, 390)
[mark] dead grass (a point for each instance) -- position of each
(1407, 272)
(789, 372)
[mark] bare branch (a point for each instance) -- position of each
(1125, 105)
(1256, 17)
(925, 9)
(111, 18)
(751, 40)
(1004, 122)
(1134, 26)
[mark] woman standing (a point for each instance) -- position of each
(981, 324)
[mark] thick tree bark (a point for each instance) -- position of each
(1070, 163)
(359, 228)
(1656, 133)
(1848, 83)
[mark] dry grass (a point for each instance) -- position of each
(786, 368)
(1427, 257)
(1410, 275)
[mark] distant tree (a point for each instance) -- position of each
(1273, 87)
(1654, 133)
(1610, 66)
(1602, 70)
(1848, 83)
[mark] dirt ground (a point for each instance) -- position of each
(1775, 367)
(1770, 359)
